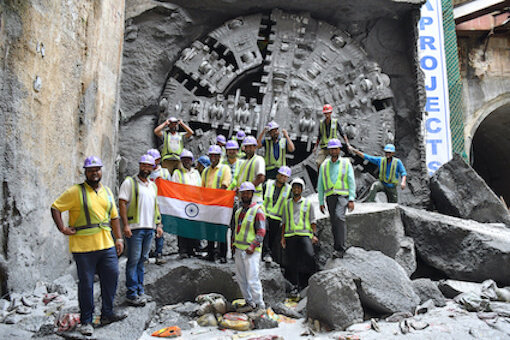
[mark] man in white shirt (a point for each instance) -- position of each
(139, 211)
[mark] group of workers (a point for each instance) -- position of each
(270, 216)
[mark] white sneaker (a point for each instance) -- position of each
(86, 329)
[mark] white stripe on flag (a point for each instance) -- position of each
(195, 211)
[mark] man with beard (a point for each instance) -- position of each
(187, 175)
(173, 142)
(253, 168)
(91, 208)
(336, 183)
(299, 234)
(249, 234)
(216, 176)
(138, 207)
(276, 192)
(275, 148)
(233, 161)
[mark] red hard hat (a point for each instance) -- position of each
(327, 108)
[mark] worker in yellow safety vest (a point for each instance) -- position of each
(329, 128)
(276, 192)
(253, 168)
(139, 211)
(275, 148)
(92, 218)
(336, 183)
(299, 234)
(248, 236)
(173, 142)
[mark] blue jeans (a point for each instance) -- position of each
(138, 247)
(106, 264)
(159, 245)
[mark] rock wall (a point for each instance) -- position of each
(59, 102)
(386, 30)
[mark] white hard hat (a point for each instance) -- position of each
(298, 181)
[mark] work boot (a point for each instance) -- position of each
(159, 259)
(86, 329)
(223, 260)
(268, 258)
(248, 307)
(338, 254)
(135, 302)
(146, 298)
(106, 320)
(183, 256)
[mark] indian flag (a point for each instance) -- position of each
(195, 212)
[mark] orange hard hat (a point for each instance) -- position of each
(327, 108)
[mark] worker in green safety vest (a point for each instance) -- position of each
(139, 211)
(336, 183)
(329, 128)
(92, 217)
(298, 235)
(173, 142)
(276, 192)
(390, 170)
(275, 148)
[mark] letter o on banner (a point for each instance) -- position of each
(428, 63)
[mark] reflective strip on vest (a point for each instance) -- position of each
(246, 234)
(234, 171)
(180, 174)
(168, 154)
(246, 175)
(341, 186)
(332, 132)
(304, 228)
(271, 162)
(92, 226)
(392, 179)
(219, 176)
(133, 214)
(275, 210)
(165, 174)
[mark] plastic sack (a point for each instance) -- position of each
(207, 320)
(238, 325)
(67, 322)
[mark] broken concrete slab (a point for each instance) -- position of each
(452, 288)
(427, 289)
(462, 249)
(384, 286)
(333, 298)
(459, 191)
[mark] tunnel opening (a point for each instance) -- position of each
(490, 151)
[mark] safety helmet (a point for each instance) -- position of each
(250, 140)
(92, 162)
(147, 159)
(246, 186)
(240, 135)
(298, 181)
(327, 108)
(172, 120)
(214, 150)
(285, 170)
(154, 153)
(232, 144)
(187, 154)
(204, 160)
(334, 143)
(272, 125)
(221, 139)
(389, 148)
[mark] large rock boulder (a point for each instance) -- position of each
(333, 299)
(384, 286)
(458, 190)
(183, 280)
(371, 226)
(462, 249)
(427, 289)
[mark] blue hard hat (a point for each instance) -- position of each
(204, 160)
(389, 148)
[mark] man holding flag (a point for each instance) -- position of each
(249, 233)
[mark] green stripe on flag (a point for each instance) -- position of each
(194, 229)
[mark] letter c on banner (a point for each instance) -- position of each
(429, 122)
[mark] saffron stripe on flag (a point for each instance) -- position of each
(194, 229)
(191, 193)
(194, 211)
